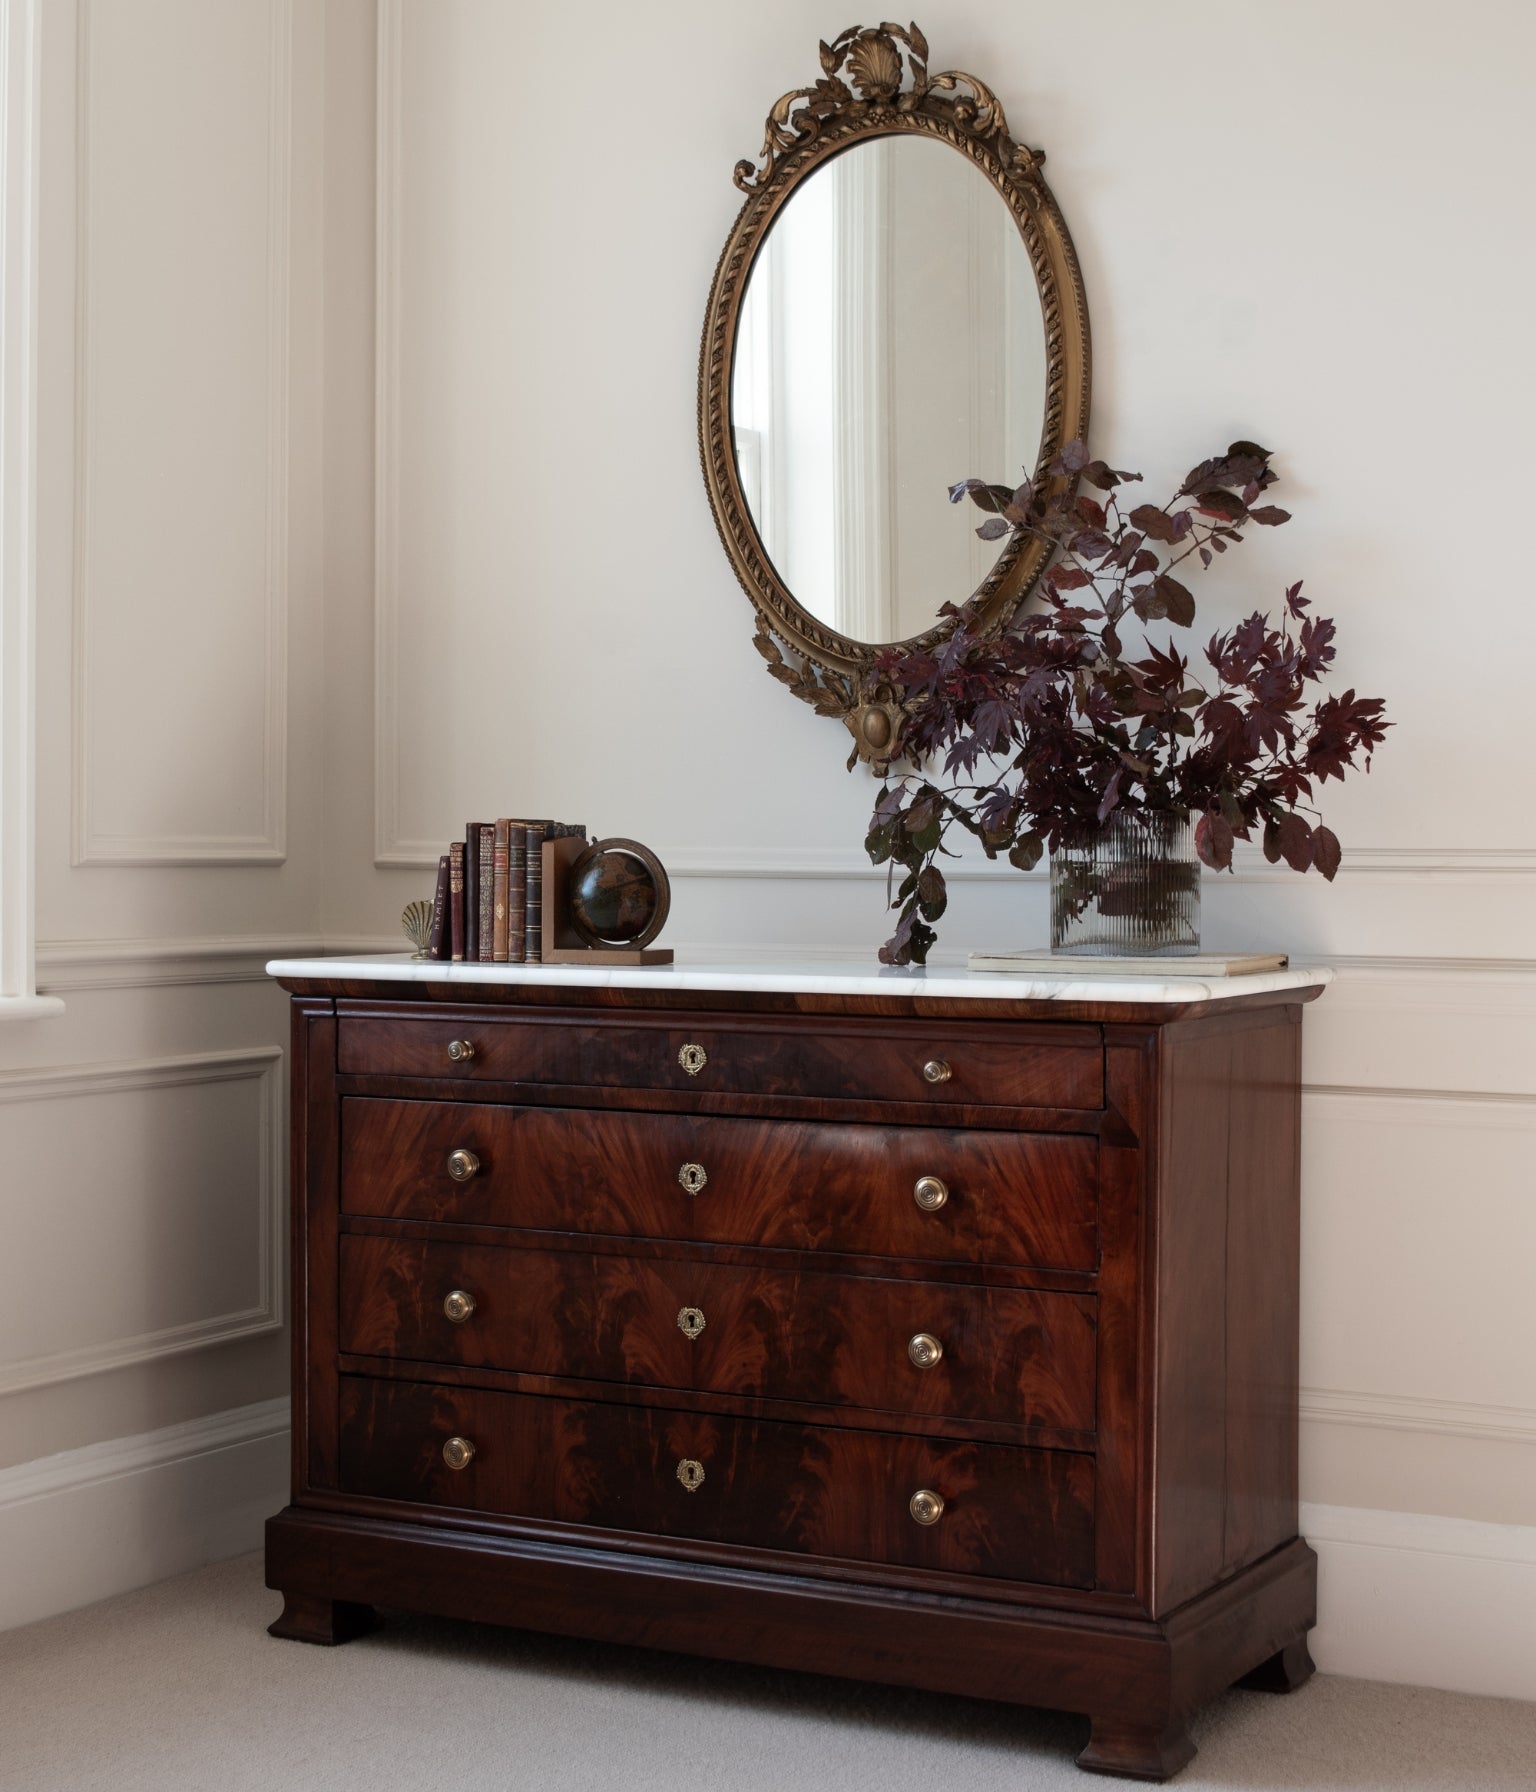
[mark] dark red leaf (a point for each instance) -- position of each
(1178, 601)
(1213, 842)
(1221, 504)
(1295, 841)
(1326, 851)
(1105, 478)
(1154, 522)
(1270, 514)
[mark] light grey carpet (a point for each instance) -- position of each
(177, 1688)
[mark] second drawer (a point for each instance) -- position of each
(955, 1196)
(1008, 1356)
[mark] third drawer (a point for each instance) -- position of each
(1008, 1356)
(966, 1196)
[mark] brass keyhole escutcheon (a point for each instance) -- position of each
(691, 1474)
(690, 1321)
(459, 1305)
(460, 1051)
(462, 1165)
(930, 1193)
(926, 1506)
(458, 1452)
(692, 1177)
(693, 1058)
(937, 1070)
(924, 1350)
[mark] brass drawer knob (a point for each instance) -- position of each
(691, 1474)
(463, 1164)
(924, 1350)
(460, 1051)
(692, 1177)
(690, 1321)
(693, 1058)
(930, 1193)
(926, 1506)
(460, 1305)
(458, 1452)
(937, 1070)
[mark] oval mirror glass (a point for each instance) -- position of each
(891, 343)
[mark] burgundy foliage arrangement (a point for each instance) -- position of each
(1074, 713)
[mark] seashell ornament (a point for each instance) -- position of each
(417, 922)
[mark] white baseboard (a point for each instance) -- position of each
(1425, 1601)
(89, 1523)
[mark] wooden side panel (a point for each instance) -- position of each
(1263, 1290)
(1016, 1198)
(1127, 1150)
(315, 1197)
(1009, 1355)
(817, 1491)
(1227, 1208)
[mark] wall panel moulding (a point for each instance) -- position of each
(181, 532)
(174, 1163)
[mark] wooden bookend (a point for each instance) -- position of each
(562, 943)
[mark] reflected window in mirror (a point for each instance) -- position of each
(891, 341)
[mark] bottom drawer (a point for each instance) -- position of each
(1013, 1513)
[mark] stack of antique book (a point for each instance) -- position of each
(488, 907)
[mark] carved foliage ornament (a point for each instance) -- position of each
(874, 62)
(875, 82)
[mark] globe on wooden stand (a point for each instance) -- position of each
(605, 902)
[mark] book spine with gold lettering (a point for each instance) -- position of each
(535, 833)
(472, 891)
(500, 871)
(456, 908)
(438, 943)
(517, 901)
(485, 940)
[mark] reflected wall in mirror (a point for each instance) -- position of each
(891, 342)
(898, 307)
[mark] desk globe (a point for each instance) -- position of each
(618, 894)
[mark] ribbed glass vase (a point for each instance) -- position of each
(1132, 892)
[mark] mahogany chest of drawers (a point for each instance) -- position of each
(943, 1340)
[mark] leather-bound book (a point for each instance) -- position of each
(456, 904)
(472, 891)
(500, 872)
(438, 942)
(517, 899)
(487, 872)
(535, 833)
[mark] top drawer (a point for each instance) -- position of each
(949, 1063)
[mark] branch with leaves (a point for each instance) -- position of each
(1046, 731)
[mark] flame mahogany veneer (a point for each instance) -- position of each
(676, 1367)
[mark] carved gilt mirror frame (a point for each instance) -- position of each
(875, 83)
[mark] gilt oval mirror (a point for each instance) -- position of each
(898, 308)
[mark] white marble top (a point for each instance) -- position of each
(855, 977)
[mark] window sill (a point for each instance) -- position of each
(30, 1007)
